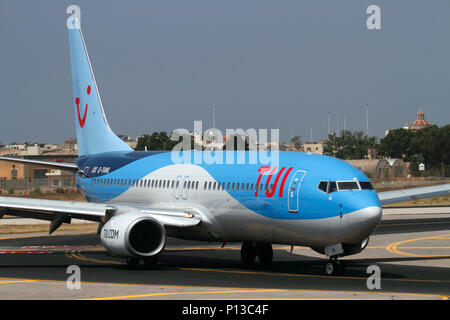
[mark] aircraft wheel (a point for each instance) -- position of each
(132, 262)
(264, 252)
(330, 268)
(341, 267)
(334, 267)
(150, 261)
(248, 253)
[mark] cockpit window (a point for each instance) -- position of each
(327, 186)
(323, 185)
(348, 185)
(366, 185)
(332, 186)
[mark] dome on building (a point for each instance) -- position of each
(420, 121)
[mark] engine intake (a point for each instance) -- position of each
(133, 234)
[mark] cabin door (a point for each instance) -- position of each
(294, 191)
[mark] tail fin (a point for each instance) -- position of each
(93, 132)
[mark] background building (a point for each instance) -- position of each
(420, 121)
(373, 168)
(313, 147)
(418, 124)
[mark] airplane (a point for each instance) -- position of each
(141, 198)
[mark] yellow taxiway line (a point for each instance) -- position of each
(219, 290)
(394, 247)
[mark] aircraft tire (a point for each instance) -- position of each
(248, 253)
(132, 262)
(330, 268)
(333, 268)
(265, 252)
(151, 261)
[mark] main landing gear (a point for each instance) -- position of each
(149, 262)
(132, 262)
(334, 267)
(250, 250)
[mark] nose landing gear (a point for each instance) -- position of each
(334, 267)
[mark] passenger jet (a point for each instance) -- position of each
(141, 198)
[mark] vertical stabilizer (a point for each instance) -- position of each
(93, 132)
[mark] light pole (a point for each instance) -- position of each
(164, 143)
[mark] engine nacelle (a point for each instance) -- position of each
(133, 234)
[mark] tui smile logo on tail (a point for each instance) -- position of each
(77, 101)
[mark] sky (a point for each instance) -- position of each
(162, 64)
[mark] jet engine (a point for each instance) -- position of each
(133, 234)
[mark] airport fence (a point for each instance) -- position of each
(42, 184)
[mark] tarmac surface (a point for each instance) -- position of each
(411, 250)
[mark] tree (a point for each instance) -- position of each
(432, 145)
(156, 141)
(349, 145)
(429, 145)
(397, 144)
(296, 143)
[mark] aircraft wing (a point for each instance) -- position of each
(59, 212)
(388, 197)
(47, 164)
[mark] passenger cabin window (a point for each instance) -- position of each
(348, 185)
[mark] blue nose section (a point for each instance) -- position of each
(354, 201)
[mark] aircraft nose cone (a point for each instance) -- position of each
(367, 218)
(373, 215)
